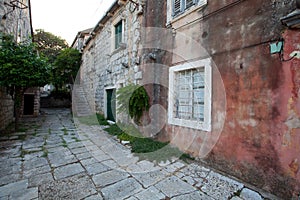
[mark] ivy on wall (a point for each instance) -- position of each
(133, 100)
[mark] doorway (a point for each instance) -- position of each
(111, 104)
(28, 104)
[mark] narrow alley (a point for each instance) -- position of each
(54, 159)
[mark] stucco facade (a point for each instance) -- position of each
(254, 100)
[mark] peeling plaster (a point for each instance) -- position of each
(249, 122)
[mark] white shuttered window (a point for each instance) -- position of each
(190, 95)
(179, 6)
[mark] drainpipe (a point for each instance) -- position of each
(292, 20)
(30, 18)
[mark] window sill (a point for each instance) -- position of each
(122, 47)
(181, 15)
(198, 125)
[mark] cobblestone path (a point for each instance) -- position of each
(53, 159)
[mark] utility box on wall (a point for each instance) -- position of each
(276, 47)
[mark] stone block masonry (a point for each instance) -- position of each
(6, 109)
(105, 67)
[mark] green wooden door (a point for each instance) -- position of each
(111, 104)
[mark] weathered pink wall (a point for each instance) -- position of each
(255, 93)
(260, 140)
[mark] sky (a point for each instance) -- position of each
(65, 18)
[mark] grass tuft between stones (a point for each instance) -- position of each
(146, 148)
(97, 119)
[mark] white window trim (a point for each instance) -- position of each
(206, 125)
(171, 18)
(183, 7)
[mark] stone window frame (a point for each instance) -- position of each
(115, 22)
(118, 34)
(203, 65)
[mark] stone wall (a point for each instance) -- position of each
(36, 104)
(17, 24)
(6, 109)
(103, 66)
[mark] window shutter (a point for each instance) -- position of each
(176, 7)
(201, 2)
(189, 3)
(118, 34)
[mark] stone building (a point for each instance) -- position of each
(222, 75)
(110, 56)
(16, 20)
(80, 39)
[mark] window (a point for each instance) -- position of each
(190, 95)
(118, 34)
(179, 6)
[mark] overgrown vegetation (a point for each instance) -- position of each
(60, 94)
(133, 100)
(66, 67)
(45, 152)
(20, 68)
(146, 148)
(65, 62)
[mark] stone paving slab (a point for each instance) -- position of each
(196, 195)
(122, 189)
(150, 194)
(34, 163)
(249, 194)
(94, 197)
(109, 177)
(173, 186)
(59, 161)
(29, 193)
(11, 178)
(68, 170)
(35, 181)
(96, 168)
(75, 187)
(150, 178)
(36, 171)
(220, 187)
(13, 187)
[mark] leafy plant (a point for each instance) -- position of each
(20, 68)
(65, 61)
(48, 44)
(146, 148)
(133, 100)
(114, 130)
(65, 67)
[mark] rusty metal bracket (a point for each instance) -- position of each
(137, 6)
(16, 4)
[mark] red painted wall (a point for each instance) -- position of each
(260, 140)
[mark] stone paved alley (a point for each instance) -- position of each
(55, 160)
